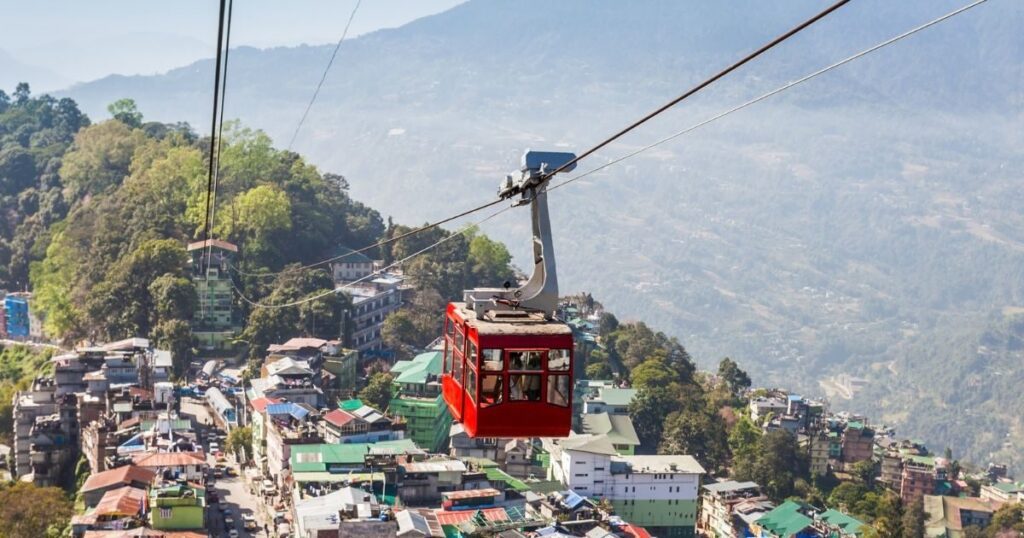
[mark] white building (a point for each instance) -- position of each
(372, 302)
(657, 492)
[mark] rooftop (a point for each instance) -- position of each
(730, 485)
(663, 464)
(618, 428)
(471, 493)
(119, 475)
(313, 458)
(529, 323)
(169, 459)
(124, 501)
(417, 370)
(846, 524)
(615, 396)
(212, 243)
(786, 520)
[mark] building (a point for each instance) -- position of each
(363, 424)
(718, 502)
(372, 302)
(343, 365)
(98, 484)
(17, 316)
(223, 410)
(947, 517)
(611, 400)
(657, 492)
(418, 401)
(763, 406)
(819, 443)
(37, 402)
(214, 322)
(173, 465)
(1004, 492)
(178, 507)
(918, 478)
(337, 511)
(424, 482)
(858, 443)
(350, 265)
(618, 428)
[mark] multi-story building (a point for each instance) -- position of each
(418, 401)
(718, 504)
(17, 316)
(39, 401)
(214, 322)
(657, 492)
(858, 443)
(794, 519)
(372, 302)
(918, 478)
(819, 443)
(1004, 492)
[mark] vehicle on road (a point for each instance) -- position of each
(233, 533)
(249, 522)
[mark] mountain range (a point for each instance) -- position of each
(858, 237)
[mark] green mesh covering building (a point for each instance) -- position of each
(417, 399)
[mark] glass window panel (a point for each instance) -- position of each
(491, 388)
(449, 326)
(558, 390)
(471, 382)
(448, 363)
(524, 387)
(558, 360)
(492, 360)
(459, 340)
(457, 368)
(471, 357)
(524, 360)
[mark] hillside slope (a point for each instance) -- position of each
(860, 236)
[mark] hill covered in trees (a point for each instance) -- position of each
(98, 217)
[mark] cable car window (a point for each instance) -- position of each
(524, 387)
(558, 360)
(471, 357)
(459, 340)
(490, 390)
(558, 390)
(524, 360)
(448, 362)
(471, 381)
(457, 367)
(492, 360)
(449, 327)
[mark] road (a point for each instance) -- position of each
(234, 495)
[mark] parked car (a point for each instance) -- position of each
(249, 522)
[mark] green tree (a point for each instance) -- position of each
(240, 442)
(743, 441)
(28, 511)
(125, 111)
(100, 158)
(399, 333)
(489, 261)
(779, 462)
(607, 323)
(913, 520)
(174, 297)
(255, 214)
(17, 170)
(648, 411)
(734, 378)
(1008, 519)
(598, 370)
(653, 373)
(175, 335)
(377, 392)
(864, 471)
(697, 433)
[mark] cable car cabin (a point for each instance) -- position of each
(509, 374)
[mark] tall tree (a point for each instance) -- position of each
(913, 520)
(28, 511)
(377, 392)
(734, 378)
(125, 111)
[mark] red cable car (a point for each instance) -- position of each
(508, 363)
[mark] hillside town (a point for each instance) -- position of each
(306, 443)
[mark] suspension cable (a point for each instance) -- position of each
(764, 48)
(213, 120)
(220, 137)
(776, 91)
(323, 77)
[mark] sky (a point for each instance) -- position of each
(76, 40)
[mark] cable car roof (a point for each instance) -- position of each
(509, 322)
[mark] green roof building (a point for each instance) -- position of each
(417, 399)
(789, 519)
(618, 428)
(340, 458)
(178, 507)
(214, 322)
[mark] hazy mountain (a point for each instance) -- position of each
(13, 71)
(858, 236)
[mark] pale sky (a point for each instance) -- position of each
(80, 40)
